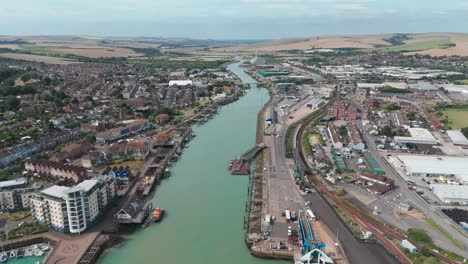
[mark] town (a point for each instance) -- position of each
(357, 158)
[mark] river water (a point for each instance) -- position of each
(205, 205)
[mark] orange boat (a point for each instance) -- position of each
(158, 214)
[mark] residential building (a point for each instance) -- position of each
(120, 173)
(162, 119)
(72, 209)
(92, 159)
(343, 111)
(15, 194)
(56, 170)
(132, 149)
(123, 132)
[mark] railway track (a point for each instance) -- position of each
(378, 229)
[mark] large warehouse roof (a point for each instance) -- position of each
(418, 136)
(450, 193)
(443, 165)
(180, 82)
(457, 137)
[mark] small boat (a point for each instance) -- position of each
(28, 252)
(3, 257)
(44, 247)
(158, 214)
(38, 253)
(20, 253)
(12, 254)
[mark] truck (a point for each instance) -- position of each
(268, 219)
(293, 217)
(311, 215)
(287, 215)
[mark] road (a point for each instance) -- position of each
(283, 193)
(414, 198)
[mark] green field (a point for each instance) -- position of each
(430, 44)
(458, 118)
(461, 82)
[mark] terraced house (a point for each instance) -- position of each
(56, 170)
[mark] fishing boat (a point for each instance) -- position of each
(158, 214)
(3, 257)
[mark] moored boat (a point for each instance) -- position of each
(3, 257)
(158, 214)
(20, 253)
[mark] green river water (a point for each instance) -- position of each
(205, 205)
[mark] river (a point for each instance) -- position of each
(205, 205)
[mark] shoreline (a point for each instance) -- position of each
(114, 239)
(256, 188)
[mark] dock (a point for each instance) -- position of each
(241, 166)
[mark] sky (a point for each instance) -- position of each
(230, 19)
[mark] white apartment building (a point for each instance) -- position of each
(72, 209)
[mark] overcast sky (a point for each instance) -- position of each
(230, 19)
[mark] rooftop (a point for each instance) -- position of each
(19, 181)
(448, 191)
(55, 191)
(180, 82)
(437, 165)
(60, 191)
(457, 137)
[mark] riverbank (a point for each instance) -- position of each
(205, 204)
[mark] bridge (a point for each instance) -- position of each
(251, 153)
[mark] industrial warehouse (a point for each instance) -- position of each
(418, 136)
(451, 193)
(435, 166)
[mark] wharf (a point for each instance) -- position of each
(239, 167)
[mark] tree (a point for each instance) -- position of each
(343, 131)
(10, 82)
(465, 131)
(425, 251)
(47, 81)
(12, 103)
(419, 235)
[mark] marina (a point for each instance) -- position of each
(33, 254)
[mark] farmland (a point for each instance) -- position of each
(461, 82)
(38, 58)
(420, 45)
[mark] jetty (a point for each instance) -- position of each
(241, 166)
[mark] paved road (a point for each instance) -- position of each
(414, 198)
(282, 193)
